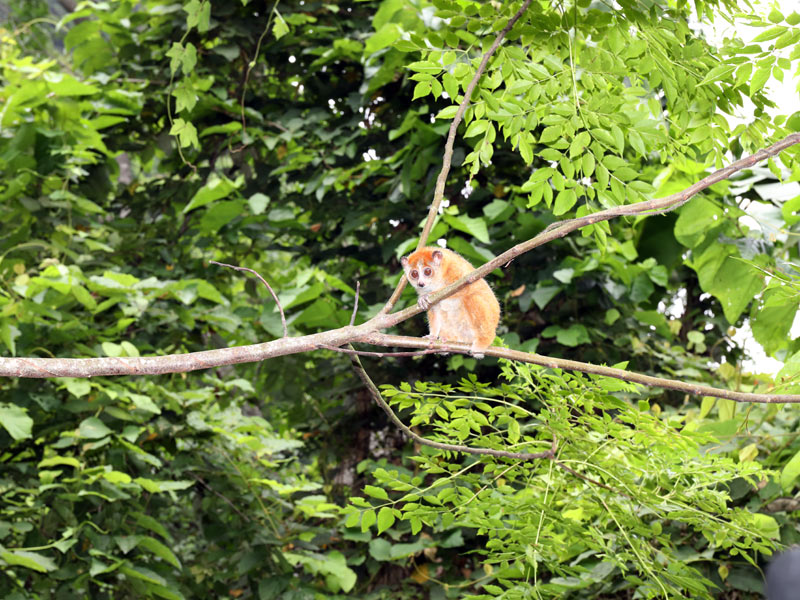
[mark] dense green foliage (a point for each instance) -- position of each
(139, 140)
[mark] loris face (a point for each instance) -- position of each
(423, 272)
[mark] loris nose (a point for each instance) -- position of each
(421, 284)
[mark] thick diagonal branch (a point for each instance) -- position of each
(447, 158)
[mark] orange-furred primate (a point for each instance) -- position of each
(470, 315)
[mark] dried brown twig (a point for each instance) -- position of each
(355, 304)
(264, 281)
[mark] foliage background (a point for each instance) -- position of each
(138, 141)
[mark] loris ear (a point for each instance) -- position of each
(404, 262)
(437, 257)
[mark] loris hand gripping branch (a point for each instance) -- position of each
(470, 315)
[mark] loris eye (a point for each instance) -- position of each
(414, 274)
(428, 271)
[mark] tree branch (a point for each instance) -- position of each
(574, 365)
(447, 158)
(178, 363)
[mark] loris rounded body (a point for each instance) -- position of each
(469, 316)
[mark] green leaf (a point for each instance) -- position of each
(144, 574)
(29, 560)
(766, 525)
(279, 27)
(422, 89)
(9, 334)
(448, 112)
(726, 409)
(477, 127)
(544, 293)
(550, 134)
(186, 132)
(216, 188)
(733, 282)
(497, 208)
(93, 428)
(654, 319)
(718, 73)
(116, 477)
(60, 460)
(384, 37)
(376, 492)
(160, 550)
(258, 203)
(385, 519)
(424, 66)
(83, 296)
(341, 577)
(573, 336)
(185, 96)
(601, 172)
(182, 57)
(475, 227)
(63, 84)
(15, 421)
(706, 405)
(219, 215)
(77, 387)
(367, 519)
(619, 138)
(111, 349)
(150, 523)
(760, 77)
(565, 200)
(154, 487)
(226, 128)
(380, 549)
(772, 319)
(696, 219)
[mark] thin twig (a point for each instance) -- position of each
(447, 159)
(355, 304)
(376, 394)
(264, 281)
(379, 354)
(588, 479)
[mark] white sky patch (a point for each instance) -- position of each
(784, 93)
(757, 361)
